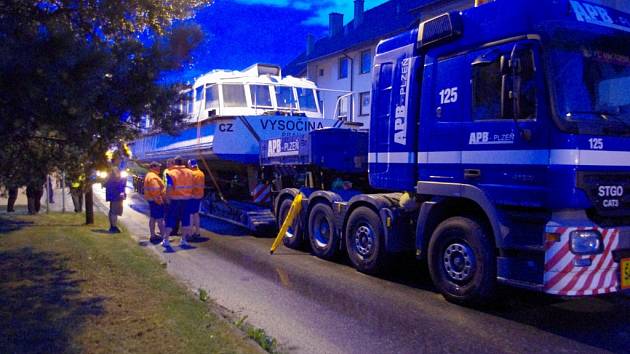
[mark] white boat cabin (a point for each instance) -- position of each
(257, 90)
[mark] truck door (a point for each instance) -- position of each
(506, 142)
(445, 101)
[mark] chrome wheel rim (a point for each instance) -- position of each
(459, 262)
(364, 240)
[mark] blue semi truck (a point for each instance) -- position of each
(498, 151)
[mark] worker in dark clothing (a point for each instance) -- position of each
(49, 189)
(34, 193)
(115, 194)
(13, 193)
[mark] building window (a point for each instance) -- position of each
(321, 72)
(343, 68)
(366, 61)
(342, 111)
(364, 99)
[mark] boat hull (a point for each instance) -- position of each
(230, 139)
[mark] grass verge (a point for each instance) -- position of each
(67, 287)
(258, 335)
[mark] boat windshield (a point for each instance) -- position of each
(234, 95)
(261, 96)
(306, 98)
(212, 97)
(284, 97)
(591, 80)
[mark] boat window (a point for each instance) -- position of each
(306, 98)
(284, 96)
(234, 95)
(261, 96)
(212, 97)
(189, 102)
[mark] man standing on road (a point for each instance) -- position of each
(169, 164)
(50, 190)
(76, 192)
(34, 193)
(154, 194)
(13, 194)
(199, 183)
(179, 182)
(115, 195)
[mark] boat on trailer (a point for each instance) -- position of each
(228, 114)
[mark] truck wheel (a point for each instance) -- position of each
(293, 238)
(462, 261)
(322, 232)
(364, 241)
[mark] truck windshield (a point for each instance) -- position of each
(592, 81)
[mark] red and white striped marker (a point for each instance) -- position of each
(564, 277)
(262, 194)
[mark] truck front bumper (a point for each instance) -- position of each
(570, 274)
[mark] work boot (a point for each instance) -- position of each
(183, 244)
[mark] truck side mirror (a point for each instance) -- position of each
(523, 70)
(504, 63)
(507, 97)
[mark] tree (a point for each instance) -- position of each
(77, 77)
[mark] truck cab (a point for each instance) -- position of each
(522, 122)
(500, 136)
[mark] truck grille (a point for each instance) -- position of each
(609, 193)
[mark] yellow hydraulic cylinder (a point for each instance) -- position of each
(294, 211)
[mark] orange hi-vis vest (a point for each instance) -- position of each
(199, 183)
(153, 188)
(182, 178)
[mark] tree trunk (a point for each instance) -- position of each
(89, 205)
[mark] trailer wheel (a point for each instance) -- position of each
(462, 261)
(364, 241)
(322, 232)
(293, 237)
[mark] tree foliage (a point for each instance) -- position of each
(77, 76)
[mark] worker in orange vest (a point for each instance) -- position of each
(199, 184)
(179, 182)
(154, 194)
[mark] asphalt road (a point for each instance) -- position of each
(316, 306)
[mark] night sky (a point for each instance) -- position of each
(239, 33)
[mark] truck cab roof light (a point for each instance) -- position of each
(440, 28)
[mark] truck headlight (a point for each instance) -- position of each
(586, 242)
